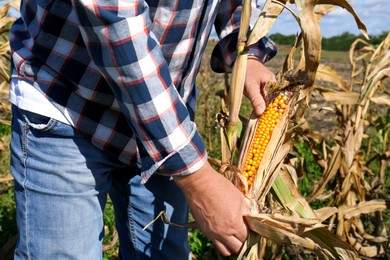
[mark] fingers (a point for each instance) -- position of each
(258, 104)
(256, 78)
(222, 248)
(232, 246)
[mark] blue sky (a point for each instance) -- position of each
(375, 14)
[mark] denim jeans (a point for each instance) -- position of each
(62, 182)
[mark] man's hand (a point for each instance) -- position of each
(257, 75)
(218, 208)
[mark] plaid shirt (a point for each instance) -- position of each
(124, 71)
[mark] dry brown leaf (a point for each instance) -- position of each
(364, 207)
(344, 4)
(322, 10)
(277, 234)
(311, 37)
(328, 74)
(325, 213)
(329, 173)
(343, 98)
(265, 21)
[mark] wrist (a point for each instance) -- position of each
(196, 179)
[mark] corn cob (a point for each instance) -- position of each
(263, 133)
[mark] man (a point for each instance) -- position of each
(104, 100)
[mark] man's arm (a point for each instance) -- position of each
(125, 51)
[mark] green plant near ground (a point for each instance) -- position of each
(7, 214)
(110, 241)
(199, 244)
(310, 169)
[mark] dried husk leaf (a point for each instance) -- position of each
(288, 64)
(289, 197)
(291, 224)
(248, 139)
(274, 153)
(277, 234)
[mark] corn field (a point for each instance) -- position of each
(345, 213)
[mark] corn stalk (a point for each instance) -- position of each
(273, 188)
(5, 22)
(346, 166)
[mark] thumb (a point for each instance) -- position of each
(257, 100)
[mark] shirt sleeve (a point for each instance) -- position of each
(118, 39)
(226, 25)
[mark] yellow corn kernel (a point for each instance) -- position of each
(263, 133)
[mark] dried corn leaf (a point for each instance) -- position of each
(328, 74)
(291, 224)
(344, 4)
(250, 246)
(381, 49)
(364, 207)
(343, 98)
(320, 240)
(4, 21)
(367, 251)
(4, 48)
(325, 213)
(248, 137)
(4, 11)
(373, 83)
(328, 242)
(329, 173)
(322, 10)
(383, 63)
(15, 4)
(311, 37)
(277, 234)
(270, 12)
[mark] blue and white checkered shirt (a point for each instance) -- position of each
(124, 71)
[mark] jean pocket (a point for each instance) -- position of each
(38, 122)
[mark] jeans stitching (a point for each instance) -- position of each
(24, 141)
(133, 236)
